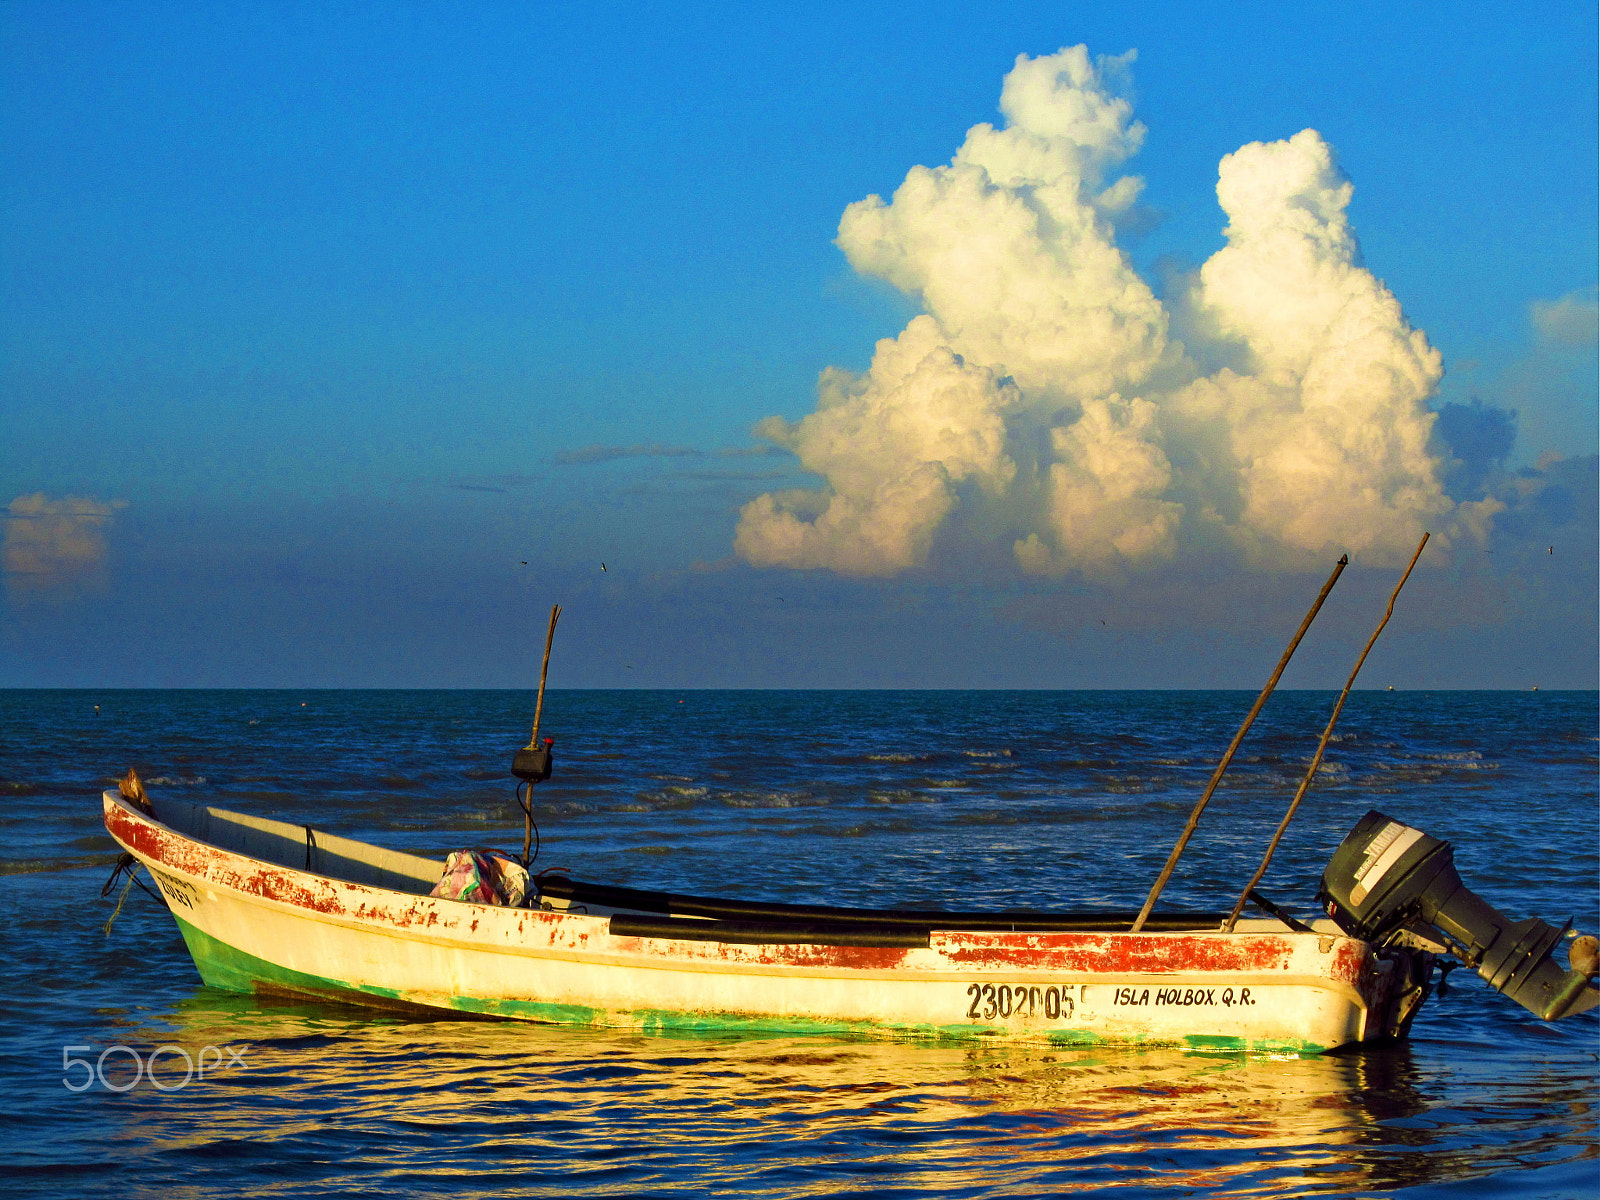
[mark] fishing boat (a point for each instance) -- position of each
(278, 908)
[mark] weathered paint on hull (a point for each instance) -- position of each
(257, 925)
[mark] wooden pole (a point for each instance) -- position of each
(1316, 761)
(1216, 776)
(544, 671)
(533, 741)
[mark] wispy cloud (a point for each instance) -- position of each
(727, 476)
(489, 483)
(51, 545)
(755, 452)
(1573, 320)
(600, 454)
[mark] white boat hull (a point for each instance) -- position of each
(253, 923)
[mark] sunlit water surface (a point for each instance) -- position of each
(969, 799)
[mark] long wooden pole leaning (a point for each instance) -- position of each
(533, 742)
(544, 671)
(1216, 776)
(1316, 760)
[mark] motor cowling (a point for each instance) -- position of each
(1387, 877)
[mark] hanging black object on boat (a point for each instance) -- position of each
(1386, 878)
(531, 764)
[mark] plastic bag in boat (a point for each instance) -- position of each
(483, 877)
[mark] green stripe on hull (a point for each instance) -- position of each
(222, 966)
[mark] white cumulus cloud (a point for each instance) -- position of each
(893, 444)
(1324, 429)
(1048, 402)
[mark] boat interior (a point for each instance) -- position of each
(641, 913)
(299, 847)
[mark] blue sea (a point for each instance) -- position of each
(125, 1076)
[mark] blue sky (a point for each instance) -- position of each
(319, 320)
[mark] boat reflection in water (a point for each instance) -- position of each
(1238, 1126)
(804, 1116)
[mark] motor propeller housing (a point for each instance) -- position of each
(1387, 877)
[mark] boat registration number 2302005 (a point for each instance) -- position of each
(989, 1001)
(1005, 1001)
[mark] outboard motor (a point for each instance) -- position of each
(1387, 877)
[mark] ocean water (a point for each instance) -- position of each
(955, 799)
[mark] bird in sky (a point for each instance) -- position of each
(602, 566)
